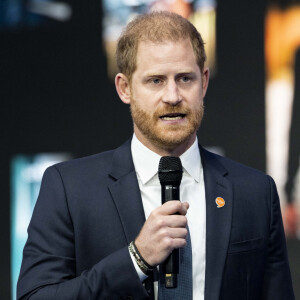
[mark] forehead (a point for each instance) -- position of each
(165, 54)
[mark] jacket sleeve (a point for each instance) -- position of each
(277, 281)
(49, 258)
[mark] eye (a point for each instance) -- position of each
(156, 80)
(185, 79)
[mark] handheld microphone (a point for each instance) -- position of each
(170, 175)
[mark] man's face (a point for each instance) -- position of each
(166, 95)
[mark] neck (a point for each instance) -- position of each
(176, 150)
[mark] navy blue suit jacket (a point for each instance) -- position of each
(90, 209)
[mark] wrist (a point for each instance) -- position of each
(141, 262)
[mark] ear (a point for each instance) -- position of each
(123, 87)
(205, 80)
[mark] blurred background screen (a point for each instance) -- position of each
(33, 13)
(58, 97)
(26, 176)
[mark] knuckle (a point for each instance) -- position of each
(168, 242)
(160, 222)
(177, 205)
(154, 213)
(164, 233)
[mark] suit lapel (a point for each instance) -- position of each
(218, 222)
(126, 196)
(125, 192)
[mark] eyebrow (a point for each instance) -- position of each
(176, 75)
(154, 75)
(186, 73)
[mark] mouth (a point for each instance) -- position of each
(172, 117)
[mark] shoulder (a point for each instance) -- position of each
(93, 166)
(89, 165)
(236, 171)
(100, 160)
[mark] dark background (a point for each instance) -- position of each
(55, 97)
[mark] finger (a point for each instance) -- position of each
(167, 235)
(184, 208)
(186, 204)
(173, 207)
(175, 221)
(168, 243)
(177, 233)
(178, 243)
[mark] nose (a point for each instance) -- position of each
(172, 94)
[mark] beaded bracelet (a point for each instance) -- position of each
(143, 265)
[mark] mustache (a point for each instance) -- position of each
(171, 110)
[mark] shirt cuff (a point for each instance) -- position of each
(140, 273)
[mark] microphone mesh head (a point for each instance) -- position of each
(170, 170)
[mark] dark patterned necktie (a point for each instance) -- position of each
(184, 290)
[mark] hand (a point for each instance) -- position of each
(163, 232)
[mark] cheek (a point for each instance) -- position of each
(146, 101)
(194, 99)
(192, 93)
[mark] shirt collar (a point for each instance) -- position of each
(146, 161)
(191, 161)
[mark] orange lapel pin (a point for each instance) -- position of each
(220, 202)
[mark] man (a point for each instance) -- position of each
(89, 210)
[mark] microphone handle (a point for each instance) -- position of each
(171, 264)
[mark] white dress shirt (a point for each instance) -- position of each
(191, 190)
